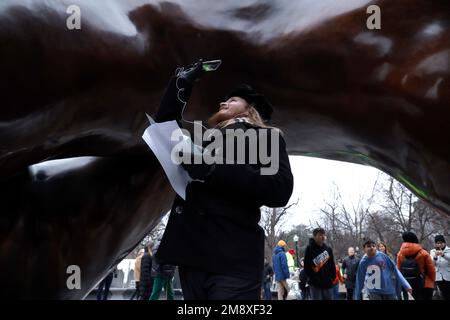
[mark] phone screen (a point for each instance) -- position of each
(211, 65)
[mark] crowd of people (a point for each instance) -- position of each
(378, 275)
(152, 276)
(412, 272)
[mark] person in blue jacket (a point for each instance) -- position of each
(280, 267)
(379, 275)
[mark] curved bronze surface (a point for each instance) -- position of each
(377, 97)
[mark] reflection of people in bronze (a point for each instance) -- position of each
(137, 275)
(221, 255)
(104, 285)
(146, 279)
(343, 92)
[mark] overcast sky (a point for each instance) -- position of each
(313, 182)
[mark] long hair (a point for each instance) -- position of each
(150, 245)
(387, 252)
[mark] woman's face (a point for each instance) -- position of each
(382, 248)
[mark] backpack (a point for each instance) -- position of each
(409, 268)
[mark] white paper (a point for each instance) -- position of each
(157, 136)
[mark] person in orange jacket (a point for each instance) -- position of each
(411, 256)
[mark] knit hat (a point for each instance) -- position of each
(409, 237)
(292, 252)
(281, 243)
(438, 238)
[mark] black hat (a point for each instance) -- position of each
(409, 237)
(260, 102)
(438, 238)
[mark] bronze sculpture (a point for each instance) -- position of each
(342, 91)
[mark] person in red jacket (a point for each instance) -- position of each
(412, 249)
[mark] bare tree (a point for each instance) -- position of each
(272, 221)
(155, 234)
(398, 210)
(346, 224)
(399, 204)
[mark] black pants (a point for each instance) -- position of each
(201, 285)
(145, 288)
(350, 293)
(103, 287)
(305, 293)
(136, 293)
(444, 287)
(423, 294)
(171, 106)
(405, 295)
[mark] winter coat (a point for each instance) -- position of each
(280, 266)
(442, 264)
(349, 267)
(379, 275)
(290, 262)
(146, 280)
(338, 278)
(137, 268)
(267, 273)
(162, 269)
(303, 280)
(423, 259)
(216, 228)
(319, 265)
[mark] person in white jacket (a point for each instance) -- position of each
(441, 259)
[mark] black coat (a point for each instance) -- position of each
(267, 273)
(302, 280)
(146, 280)
(216, 229)
(319, 265)
(350, 267)
(162, 269)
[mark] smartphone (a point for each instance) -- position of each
(212, 65)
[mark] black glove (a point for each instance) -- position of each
(199, 171)
(192, 73)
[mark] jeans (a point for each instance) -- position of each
(267, 292)
(336, 291)
(320, 293)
